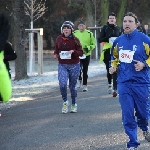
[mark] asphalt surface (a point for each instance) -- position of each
(38, 124)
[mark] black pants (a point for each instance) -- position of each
(107, 59)
(1, 100)
(84, 63)
(109, 76)
(114, 76)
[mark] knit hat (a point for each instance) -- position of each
(81, 22)
(68, 24)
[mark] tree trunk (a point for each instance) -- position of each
(89, 13)
(19, 30)
(89, 18)
(104, 11)
(121, 12)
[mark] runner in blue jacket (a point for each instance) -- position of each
(130, 57)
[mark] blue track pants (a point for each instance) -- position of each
(135, 105)
(71, 72)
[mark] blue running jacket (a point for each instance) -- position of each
(125, 49)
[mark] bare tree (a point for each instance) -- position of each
(20, 9)
(34, 10)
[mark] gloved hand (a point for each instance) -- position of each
(86, 50)
(4, 31)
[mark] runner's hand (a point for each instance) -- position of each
(70, 52)
(112, 70)
(138, 65)
(55, 56)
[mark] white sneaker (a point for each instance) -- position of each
(73, 108)
(109, 89)
(132, 148)
(85, 89)
(79, 82)
(146, 134)
(65, 107)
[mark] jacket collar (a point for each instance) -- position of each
(111, 25)
(132, 34)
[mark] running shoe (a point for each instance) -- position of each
(73, 108)
(109, 89)
(114, 93)
(78, 85)
(65, 107)
(132, 148)
(146, 134)
(85, 89)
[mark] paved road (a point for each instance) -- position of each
(40, 125)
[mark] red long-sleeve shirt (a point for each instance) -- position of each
(67, 44)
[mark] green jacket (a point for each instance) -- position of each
(87, 40)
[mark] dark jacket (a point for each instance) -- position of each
(108, 31)
(9, 54)
(138, 45)
(140, 28)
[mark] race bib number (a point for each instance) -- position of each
(111, 40)
(126, 56)
(64, 55)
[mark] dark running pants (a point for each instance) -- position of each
(110, 77)
(84, 64)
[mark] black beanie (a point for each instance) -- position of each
(81, 22)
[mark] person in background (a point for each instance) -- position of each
(107, 32)
(140, 27)
(67, 51)
(130, 55)
(8, 55)
(88, 44)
